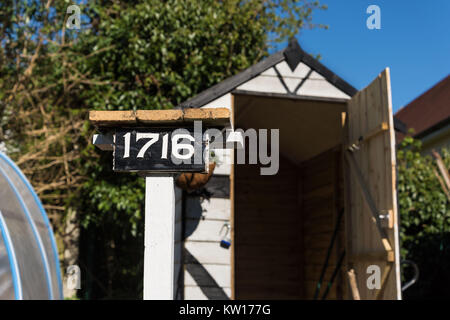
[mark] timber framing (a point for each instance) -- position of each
(218, 117)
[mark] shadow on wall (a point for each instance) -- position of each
(217, 187)
(195, 214)
(196, 270)
(206, 282)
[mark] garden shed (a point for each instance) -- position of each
(29, 265)
(336, 180)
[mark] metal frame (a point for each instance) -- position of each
(37, 237)
(15, 273)
(44, 217)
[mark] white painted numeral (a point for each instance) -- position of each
(165, 145)
(176, 147)
(127, 138)
(153, 138)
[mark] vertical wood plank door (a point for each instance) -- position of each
(371, 195)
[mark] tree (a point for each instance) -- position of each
(128, 54)
(424, 220)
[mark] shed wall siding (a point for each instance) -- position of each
(322, 197)
(268, 233)
(204, 219)
(207, 271)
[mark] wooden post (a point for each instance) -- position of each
(159, 237)
(353, 284)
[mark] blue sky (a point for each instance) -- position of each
(414, 42)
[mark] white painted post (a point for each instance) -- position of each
(159, 237)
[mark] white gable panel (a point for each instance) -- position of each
(316, 76)
(321, 88)
(269, 72)
(221, 102)
(292, 83)
(263, 84)
(269, 82)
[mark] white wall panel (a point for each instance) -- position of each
(205, 230)
(225, 161)
(320, 88)
(263, 84)
(221, 102)
(208, 252)
(220, 273)
(215, 208)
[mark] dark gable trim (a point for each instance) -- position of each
(233, 82)
(295, 54)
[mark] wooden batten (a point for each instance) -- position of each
(217, 117)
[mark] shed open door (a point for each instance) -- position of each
(371, 201)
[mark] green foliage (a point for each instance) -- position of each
(128, 54)
(424, 219)
(157, 54)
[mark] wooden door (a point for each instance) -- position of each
(371, 201)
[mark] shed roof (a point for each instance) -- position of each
(293, 54)
(300, 76)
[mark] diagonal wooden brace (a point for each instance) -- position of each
(369, 200)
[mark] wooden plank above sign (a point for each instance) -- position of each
(215, 117)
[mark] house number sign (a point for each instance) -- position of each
(160, 150)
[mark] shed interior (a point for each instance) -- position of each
(283, 223)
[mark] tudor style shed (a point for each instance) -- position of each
(336, 155)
